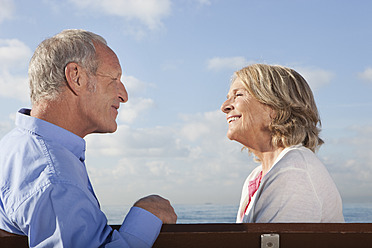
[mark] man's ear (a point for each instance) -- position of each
(73, 73)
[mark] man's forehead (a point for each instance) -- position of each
(103, 51)
(107, 58)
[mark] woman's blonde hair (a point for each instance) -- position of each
(288, 94)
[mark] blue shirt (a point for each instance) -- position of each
(46, 193)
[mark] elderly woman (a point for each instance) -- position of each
(272, 112)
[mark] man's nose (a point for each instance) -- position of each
(122, 92)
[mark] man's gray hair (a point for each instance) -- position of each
(47, 66)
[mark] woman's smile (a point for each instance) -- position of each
(232, 118)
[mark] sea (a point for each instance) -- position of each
(211, 213)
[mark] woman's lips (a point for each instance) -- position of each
(232, 118)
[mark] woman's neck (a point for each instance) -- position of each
(268, 158)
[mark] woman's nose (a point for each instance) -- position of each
(226, 106)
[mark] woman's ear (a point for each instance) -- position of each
(272, 113)
(73, 73)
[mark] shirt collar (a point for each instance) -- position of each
(52, 132)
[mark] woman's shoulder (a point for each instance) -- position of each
(298, 158)
(300, 162)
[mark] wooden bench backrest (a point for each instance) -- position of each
(293, 235)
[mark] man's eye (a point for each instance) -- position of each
(239, 94)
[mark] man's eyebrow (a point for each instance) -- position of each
(109, 75)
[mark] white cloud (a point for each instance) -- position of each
(349, 159)
(366, 74)
(315, 77)
(182, 161)
(12, 86)
(14, 57)
(6, 9)
(222, 63)
(134, 85)
(200, 125)
(14, 52)
(134, 108)
(148, 12)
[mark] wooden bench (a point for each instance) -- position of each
(284, 235)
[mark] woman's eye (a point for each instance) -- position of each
(238, 94)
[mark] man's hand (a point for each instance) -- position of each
(158, 206)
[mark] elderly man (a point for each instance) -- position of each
(46, 193)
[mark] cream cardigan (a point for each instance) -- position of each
(297, 188)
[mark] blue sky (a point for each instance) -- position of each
(178, 58)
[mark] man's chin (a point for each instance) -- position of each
(107, 130)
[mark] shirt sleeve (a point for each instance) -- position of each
(63, 215)
(288, 197)
(139, 229)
